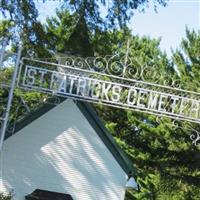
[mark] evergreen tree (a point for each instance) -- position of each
(26, 28)
(117, 13)
(68, 33)
(167, 162)
(187, 60)
(88, 20)
(6, 28)
(161, 149)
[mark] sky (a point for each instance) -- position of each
(169, 22)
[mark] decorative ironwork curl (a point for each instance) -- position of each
(122, 65)
(195, 138)
(188, 127)
(131, 72)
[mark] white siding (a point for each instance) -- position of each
(61, 152)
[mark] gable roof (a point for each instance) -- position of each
(90, 114)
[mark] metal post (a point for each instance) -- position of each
(10, 97)
(2, 53)
(126, 57)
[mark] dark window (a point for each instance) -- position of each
(47, 195)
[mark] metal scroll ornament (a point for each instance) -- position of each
(122, 65)
(195, 137)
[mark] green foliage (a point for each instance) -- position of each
(116, 13)
(5, 197)
(86, 18)
(166, 160)
(6, 75)
(22, 16)
(161, 151)
(67, 33)
(23, 101)
(59, 29)
(6, 27)
(187, 60)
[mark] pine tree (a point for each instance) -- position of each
(25, 26)
(88, 17)
(160, 148)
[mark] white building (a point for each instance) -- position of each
(64, 149)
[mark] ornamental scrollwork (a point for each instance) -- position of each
(195, 137)
(123, 65)
(191, 129)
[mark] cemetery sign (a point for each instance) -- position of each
(76, 81)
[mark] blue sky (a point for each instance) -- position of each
(169, 23)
